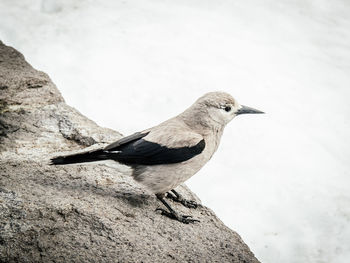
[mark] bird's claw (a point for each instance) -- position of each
(186, 219)
(184, 202)
(189, 203)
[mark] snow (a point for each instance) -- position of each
(281, 180)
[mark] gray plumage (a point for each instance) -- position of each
(168, 154)
(205, 119)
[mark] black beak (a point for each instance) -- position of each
(246, 109)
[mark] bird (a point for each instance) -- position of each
(166, 155)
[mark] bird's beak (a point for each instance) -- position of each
(246, 109)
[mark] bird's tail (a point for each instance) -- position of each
(91, 156)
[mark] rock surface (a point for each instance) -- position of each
(83, 213)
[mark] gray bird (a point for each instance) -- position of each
(166, 155)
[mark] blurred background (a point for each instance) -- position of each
(281, 180)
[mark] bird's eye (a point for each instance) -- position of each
(227, 108)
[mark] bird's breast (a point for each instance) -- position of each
(163, 178)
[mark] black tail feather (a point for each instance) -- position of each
(93, 156)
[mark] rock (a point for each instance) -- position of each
(83, 213)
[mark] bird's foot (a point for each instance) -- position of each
(178, 198)
(181, 218)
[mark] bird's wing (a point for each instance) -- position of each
(125, 140)
(144, 149)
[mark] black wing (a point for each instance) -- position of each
(125, 140)
(133, 150)
(142, 152)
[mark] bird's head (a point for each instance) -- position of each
(221, 107)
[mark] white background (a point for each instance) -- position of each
(281, 180)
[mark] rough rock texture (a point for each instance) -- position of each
(83, 213)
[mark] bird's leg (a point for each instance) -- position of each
(178, 198)
(172, 213)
